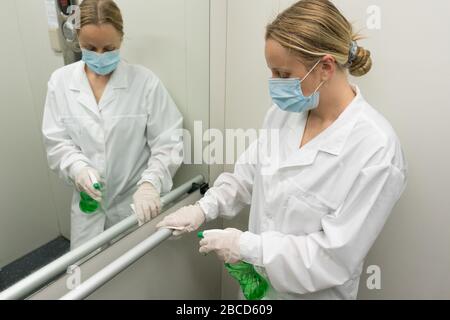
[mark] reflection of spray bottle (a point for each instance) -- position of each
(253, 285)
(87, 204)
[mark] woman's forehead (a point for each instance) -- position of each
(101, 35)
(278, 57)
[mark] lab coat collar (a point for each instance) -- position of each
(335, 137)
(119, 79)
(80, 83)
(331, 141)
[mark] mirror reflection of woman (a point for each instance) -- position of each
(109, 121)
(322, 199)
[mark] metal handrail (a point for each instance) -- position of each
(117, 266)
(27, 286)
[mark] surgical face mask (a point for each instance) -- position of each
(102, 64)
(288, 95)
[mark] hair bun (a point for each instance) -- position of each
(362, 63)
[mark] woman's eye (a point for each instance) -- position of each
(280, 75)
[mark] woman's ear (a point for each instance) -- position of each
(328, 67)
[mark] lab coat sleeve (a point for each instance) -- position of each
(318, 261)
(165, 138)
(232, 191)
(63, 155)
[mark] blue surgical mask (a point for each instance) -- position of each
(288, 95)
(102, 64)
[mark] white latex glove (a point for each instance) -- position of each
(225, 243)
(147, 203)
(85, 181)
(187, 219)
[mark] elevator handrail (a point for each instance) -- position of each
(27, 286)
(117, 266)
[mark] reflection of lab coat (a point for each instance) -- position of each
(133, 135)
(315, 211)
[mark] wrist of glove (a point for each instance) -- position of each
(225, 243)
(147, 203)
(185, 220)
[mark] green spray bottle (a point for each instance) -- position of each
(87, 204)
(253, 285)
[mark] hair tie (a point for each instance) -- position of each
(352, 53)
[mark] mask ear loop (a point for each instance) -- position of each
(312, 69)
(320, 86)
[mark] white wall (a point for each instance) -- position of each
(408, 85)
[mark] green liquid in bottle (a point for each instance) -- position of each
(253, 285)
(87, 204)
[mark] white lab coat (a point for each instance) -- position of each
(133, 135)
(315, 211)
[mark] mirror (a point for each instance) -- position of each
(168, 37)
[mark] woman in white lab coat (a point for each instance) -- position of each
(321, 199)
(109, 121)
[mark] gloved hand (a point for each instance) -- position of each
(224, 242)
(187, 219)
(85, 181)
(147, 203)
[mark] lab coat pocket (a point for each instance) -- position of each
(302, 217)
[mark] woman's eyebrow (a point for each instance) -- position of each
(105, 46)
(87, 44)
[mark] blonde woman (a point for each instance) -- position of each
(110, 121)
(320, 202)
